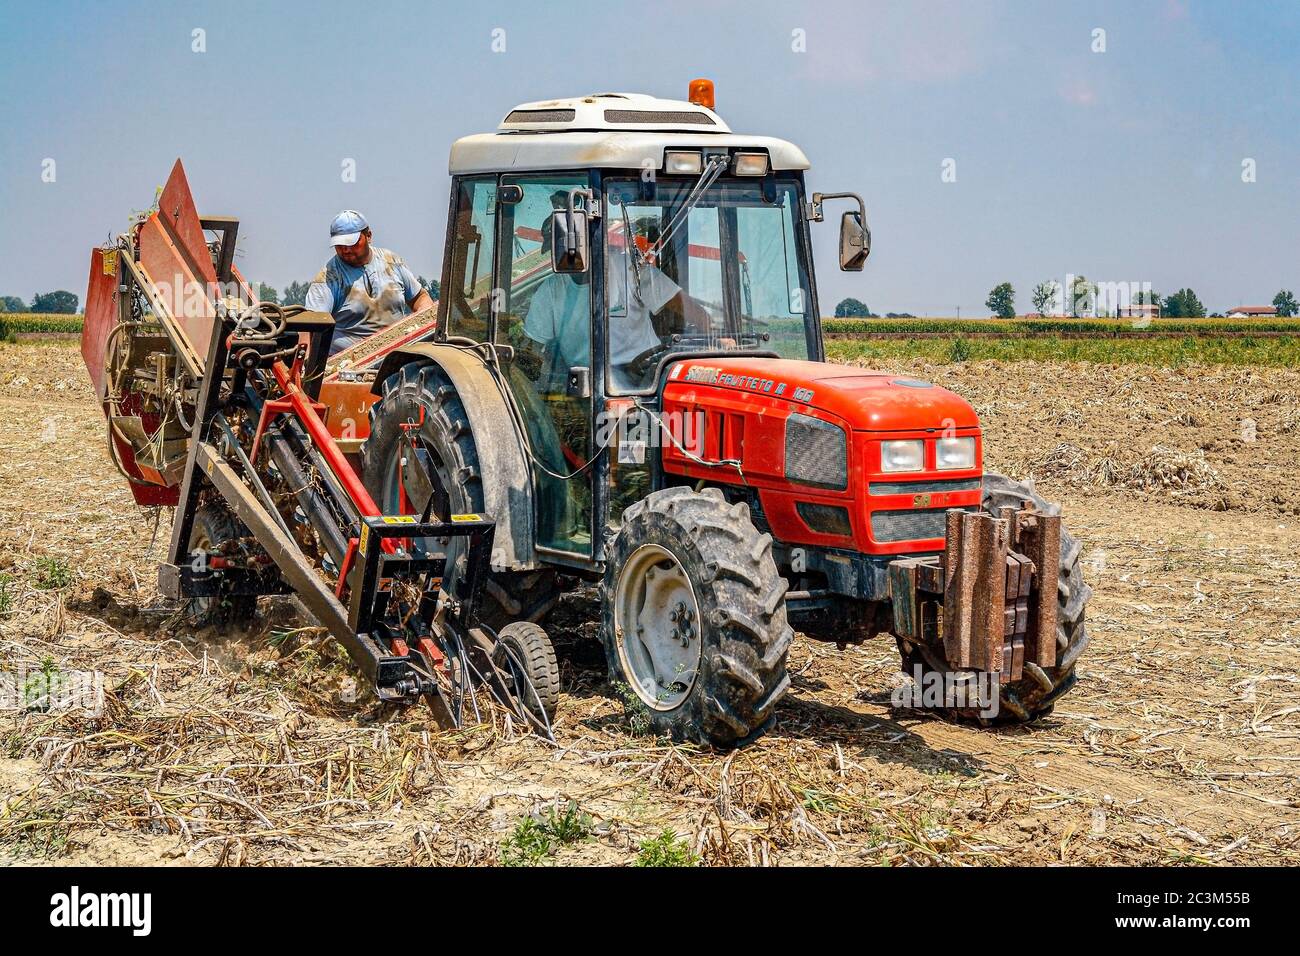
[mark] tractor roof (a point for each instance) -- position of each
(615, 130)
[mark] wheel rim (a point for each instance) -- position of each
(657, 627)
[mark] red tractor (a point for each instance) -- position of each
(629, 376)
(625, 385)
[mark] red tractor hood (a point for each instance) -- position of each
(866, 400)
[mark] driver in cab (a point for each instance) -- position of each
(641, 297)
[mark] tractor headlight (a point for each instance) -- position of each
(902, 455)
(816, 452)
(751, 164)
(682, 162)
(954, 453)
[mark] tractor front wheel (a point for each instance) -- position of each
(693, 618)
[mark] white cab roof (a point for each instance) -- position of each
(614, 130)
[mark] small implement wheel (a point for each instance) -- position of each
(215, 528)
(693, 618)
(524, 654)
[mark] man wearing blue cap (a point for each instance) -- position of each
(363, 287)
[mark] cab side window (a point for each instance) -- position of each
(469, 286)
(545, 317)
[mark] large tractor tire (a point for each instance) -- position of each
(693, 618)
(214, 531)
(1033, 696)
(422, 392)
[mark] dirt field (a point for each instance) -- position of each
(1180, 745)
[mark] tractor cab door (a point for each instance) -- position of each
(545, 317)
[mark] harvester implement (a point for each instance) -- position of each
(236, 436)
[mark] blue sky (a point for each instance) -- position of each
(1124, 165)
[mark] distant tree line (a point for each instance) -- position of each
(65, 303)
(857, 309)
(61, 302)
(1082, 300)
(1183, 304)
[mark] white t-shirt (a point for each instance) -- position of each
(363, 299)
(631, 331)
(557, 314)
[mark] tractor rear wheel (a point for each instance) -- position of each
(1034, 695)
(214, 532)
(693, 618)
(420, 398)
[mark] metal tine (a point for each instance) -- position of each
(497, 688)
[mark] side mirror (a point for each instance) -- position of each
(855, 237)
(570, 242)
(855, 242)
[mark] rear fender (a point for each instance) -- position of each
(502, 452)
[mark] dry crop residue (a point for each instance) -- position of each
(1178, 746)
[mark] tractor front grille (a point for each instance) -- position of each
(888, 527)
(816, 452)
(927, 487)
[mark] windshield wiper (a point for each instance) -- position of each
(714, 166)
(712, 170)
(633, 252)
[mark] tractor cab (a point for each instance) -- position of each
(595, 241)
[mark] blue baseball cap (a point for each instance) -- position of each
(347, 227)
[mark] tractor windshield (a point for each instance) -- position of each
(728, 276)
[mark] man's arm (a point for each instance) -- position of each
(684, 312)
(422, 301)
(665, 298)
(540, 320)
(319, 297)
(417, 297)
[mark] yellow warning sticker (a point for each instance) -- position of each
(110, 262)
(365, 538)
(399, 519)
(466, 518)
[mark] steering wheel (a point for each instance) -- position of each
(642, 362)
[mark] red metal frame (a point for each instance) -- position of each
(308, 412)
(302, 406)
